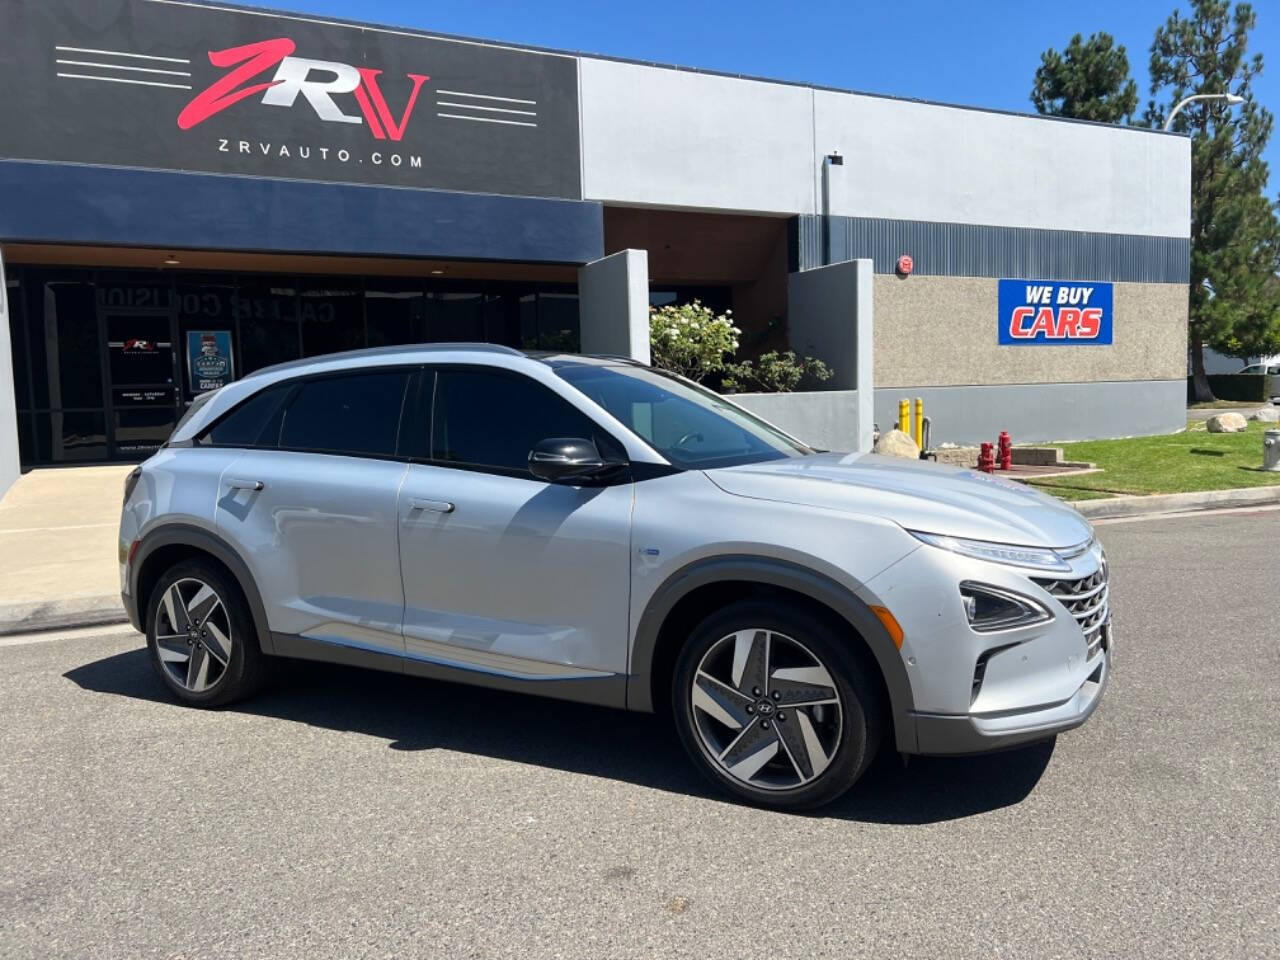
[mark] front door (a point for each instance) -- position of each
(502, 572)
(145, 393)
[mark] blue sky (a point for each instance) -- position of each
(956, 51)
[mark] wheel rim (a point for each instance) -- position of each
(193, 635)
(766, 710)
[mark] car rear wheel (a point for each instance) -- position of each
(201, 636)
(775, 705)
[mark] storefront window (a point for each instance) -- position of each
(69, 436)
(106, 361)
(502, 319)
(66, 351)
(140, 431)
(332, 316)
(18, 339)
(529, 321)
(267, 312)
(457, 317)
(558, 324)
(394, 311)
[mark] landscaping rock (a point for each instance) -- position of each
(895, 443)
(1267, 415)
(1226, 423)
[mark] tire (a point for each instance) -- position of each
(818, 704)
(218, 659)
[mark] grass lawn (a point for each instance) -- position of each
(1181, 462)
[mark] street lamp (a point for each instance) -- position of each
(1231, 98)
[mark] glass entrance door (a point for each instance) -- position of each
(145, 388)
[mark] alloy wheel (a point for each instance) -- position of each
(766, 709)
(193, 634)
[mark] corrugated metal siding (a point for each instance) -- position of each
(975, 250)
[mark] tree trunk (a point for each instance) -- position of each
(1200, 381)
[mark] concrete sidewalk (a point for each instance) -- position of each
(58, 549)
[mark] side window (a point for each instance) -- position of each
(493, 420)
(352, 414)
(255, 423)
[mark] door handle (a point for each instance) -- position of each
(435, 506)
(245, 484)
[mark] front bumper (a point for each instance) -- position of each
(972, 691)
(977, 733)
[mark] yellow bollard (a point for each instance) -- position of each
(904, 416)
(918, 436)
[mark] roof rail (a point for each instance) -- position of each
(403, 348)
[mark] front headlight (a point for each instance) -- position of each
(989, 608)
(1036, 558)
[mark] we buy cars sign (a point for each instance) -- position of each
(1049, 312)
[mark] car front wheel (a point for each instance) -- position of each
(201, 636)
(775, 705)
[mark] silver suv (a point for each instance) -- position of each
(597, 530)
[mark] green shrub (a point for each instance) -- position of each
(774, 372)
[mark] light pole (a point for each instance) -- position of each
(1231, 98)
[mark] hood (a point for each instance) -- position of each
(916, 494)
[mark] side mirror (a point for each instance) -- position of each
(568, 459)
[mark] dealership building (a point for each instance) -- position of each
(192, 191)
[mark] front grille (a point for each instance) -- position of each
(1086, 598)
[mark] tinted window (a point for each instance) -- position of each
(247, 425)
(494, 420)
(357, 414)
(688, 424)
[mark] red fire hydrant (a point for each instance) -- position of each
(1005, 452)
(986, 462)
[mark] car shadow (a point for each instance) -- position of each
(418, 714)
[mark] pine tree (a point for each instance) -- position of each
(1235, 240)
(1088, 81)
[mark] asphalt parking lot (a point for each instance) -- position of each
(351, 814)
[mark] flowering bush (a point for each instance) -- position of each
(691, 340)
(694, 341)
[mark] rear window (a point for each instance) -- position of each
(192, 409)
(357, 414)
(254, 423)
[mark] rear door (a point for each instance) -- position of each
(312, 506)
(503, 572)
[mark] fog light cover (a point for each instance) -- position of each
(989, 608)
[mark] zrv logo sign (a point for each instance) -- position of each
(1047, 312)
(317, 81)
(198, 88)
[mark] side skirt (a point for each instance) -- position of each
(608, 691)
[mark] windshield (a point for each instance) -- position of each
(692, 427)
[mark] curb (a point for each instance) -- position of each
(1139, 506)
(87, 611)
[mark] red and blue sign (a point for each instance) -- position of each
(1048, 312)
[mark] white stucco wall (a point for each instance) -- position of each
(919, 161)
(668, 138)
(663, 137)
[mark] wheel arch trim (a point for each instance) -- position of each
(787, 575)
(197, 538)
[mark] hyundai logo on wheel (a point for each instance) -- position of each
(1053, 312)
